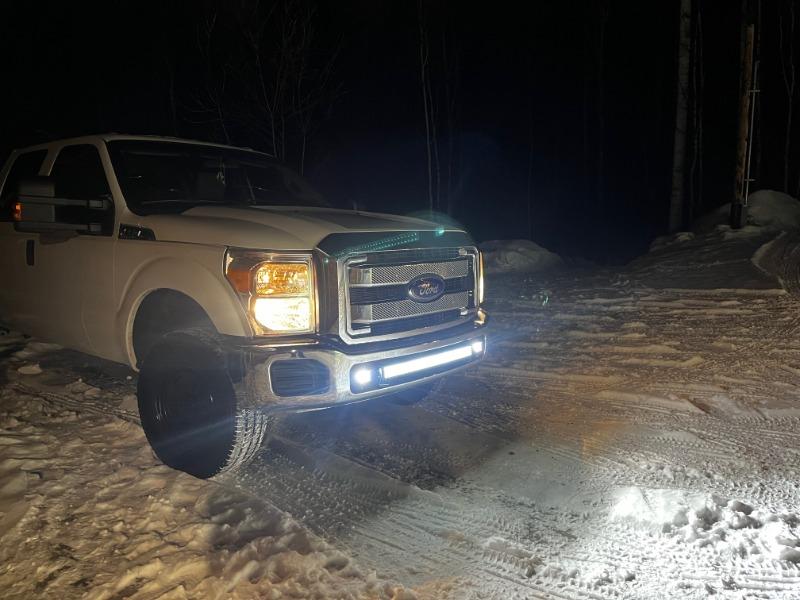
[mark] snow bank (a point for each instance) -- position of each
(517, 256)
(766, 209)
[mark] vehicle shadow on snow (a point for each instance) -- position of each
(333, 468)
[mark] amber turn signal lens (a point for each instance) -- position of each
(17, 214)
(272, 279)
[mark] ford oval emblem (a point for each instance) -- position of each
(426, 288)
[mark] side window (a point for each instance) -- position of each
(78, 173)
(25, 166)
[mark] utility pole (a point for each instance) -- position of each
(738, 215)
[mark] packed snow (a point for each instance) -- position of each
(631, 434)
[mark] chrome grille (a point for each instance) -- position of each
(408, 308)
(385, 274)
(378, 280)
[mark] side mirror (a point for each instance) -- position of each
(37, 210)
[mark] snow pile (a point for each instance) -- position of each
(669, 240)
(734, 529)
(774, 210)
(517, 256)
(766, 209)
(729, 529)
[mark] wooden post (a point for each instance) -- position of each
(739, 205)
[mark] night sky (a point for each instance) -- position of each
(538, 93)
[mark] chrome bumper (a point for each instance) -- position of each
(390, 370)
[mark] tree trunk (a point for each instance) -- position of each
(788, 72)
(681, 117)
(696, 166)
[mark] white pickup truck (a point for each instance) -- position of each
(229, 284)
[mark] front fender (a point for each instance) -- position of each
(196, 272)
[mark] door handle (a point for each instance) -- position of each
(30, 256)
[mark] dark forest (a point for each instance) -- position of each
(552, 121)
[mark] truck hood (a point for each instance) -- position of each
(273, 228)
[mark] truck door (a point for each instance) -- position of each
(75, 271)
(16, 305)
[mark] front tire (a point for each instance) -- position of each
(190, 410)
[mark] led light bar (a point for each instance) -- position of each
(429, 361)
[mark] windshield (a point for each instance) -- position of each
(171, 177)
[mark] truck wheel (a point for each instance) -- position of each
(189, 407)
(413, 395)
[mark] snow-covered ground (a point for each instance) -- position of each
(86, 511)
(632, 434)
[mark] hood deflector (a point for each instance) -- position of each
(339, 245)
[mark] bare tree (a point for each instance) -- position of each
(450, 85)
(681, 117)
(209, 105)
(531, 149)
(266, 85)
(698, 85)
(786, 50)
(429, 109)
(439, 70)
(601, 123)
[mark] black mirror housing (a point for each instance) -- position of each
(44, 187)
(37, 210)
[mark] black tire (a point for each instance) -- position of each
(413, 395)
(190, 410)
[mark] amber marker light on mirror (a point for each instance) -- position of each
(16, 214)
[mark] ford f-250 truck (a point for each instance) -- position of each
(229, 284)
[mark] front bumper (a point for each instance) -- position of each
(390, 368)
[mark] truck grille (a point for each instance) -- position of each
(377, 302)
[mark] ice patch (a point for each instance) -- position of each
(33, 369)
(34, 349)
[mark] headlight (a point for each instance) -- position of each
(276, 289)
(276, 279)
(283, 314)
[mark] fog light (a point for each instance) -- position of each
(477, 346)
(362, 376)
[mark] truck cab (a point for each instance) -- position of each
(230, 285)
